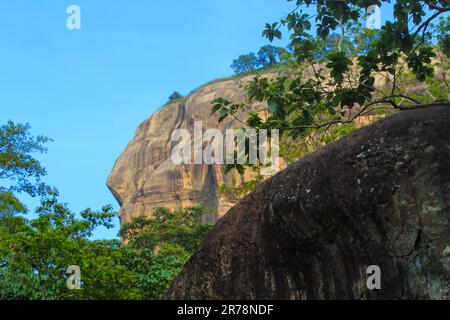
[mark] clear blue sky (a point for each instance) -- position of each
(89, 89)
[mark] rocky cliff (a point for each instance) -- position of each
(380, 196)
(144, 176)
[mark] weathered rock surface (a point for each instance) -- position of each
(144, 177)
(380, 196)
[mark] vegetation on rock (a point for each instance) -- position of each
(267, 57)
(348, 71)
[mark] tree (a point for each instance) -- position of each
(35, 254)
(269, 55)
(245, 63)
(343, 85)
(162, 245)
(442, 29)
(175, 96)
(20, 172)
(181, 228)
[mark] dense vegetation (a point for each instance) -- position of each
(35, 253)
(332, 67)
(340, 70)
(267, 56)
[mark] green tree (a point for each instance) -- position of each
(245, 63)
(20, 172)
(180, 231)
(154, 271)
(35, 255)
(269, 55)
(342, 87)
(442, 32)
(161, 245)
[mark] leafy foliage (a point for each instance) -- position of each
(245, 63)
(35, 254)
(269, 55)
(179, 231)
(20, 172)
(266, 57)
(335, 81)
(442, 30)
(161, 245)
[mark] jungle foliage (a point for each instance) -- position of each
(341, 70)
(35, 253)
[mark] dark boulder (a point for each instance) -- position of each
(380, 196)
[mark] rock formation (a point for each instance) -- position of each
(144, 176)
(380, 196)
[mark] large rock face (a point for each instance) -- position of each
(144, 176)
(380, 196)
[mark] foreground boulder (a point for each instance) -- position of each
(380, 196)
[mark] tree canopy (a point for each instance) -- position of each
(269, 55)
(35, 254)
(20, 171)
(337, 65)
(245, 63)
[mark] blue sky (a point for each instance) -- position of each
(89, 89)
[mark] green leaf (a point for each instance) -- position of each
(273, 105)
